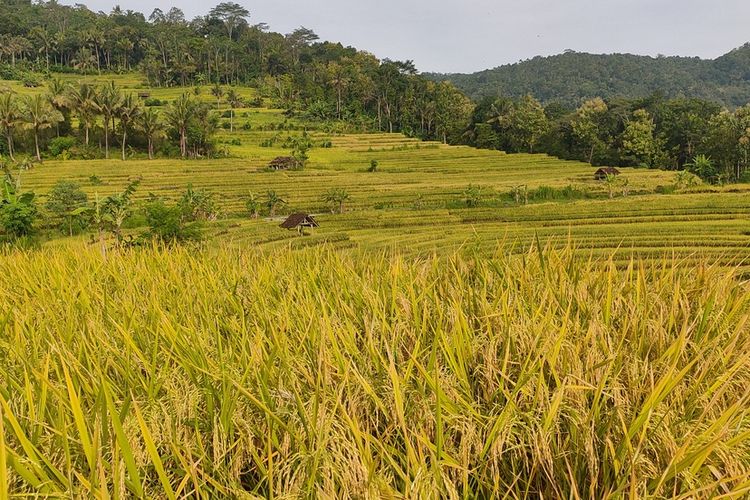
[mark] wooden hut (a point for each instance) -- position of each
(603, 172)
(299, 221)
(283, 163)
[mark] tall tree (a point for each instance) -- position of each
(150, 124)
(179, 114)
(235, 101)
(127, 112)
(39, 115)
(587, 125)
(9, 115)
(84, 102)
(108, 99)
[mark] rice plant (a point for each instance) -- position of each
(177, 373)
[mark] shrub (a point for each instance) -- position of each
(58, 145)
(30, 81)
(67, 203)
(198, 204)
(153, 101)
(166, 223)
(373, 166)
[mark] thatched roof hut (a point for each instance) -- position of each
(299, 221)
(283, 163)
(603, 172)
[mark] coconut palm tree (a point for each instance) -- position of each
(149, 122)
(179, 114)
(83, 100)
(108, 100)
(9, 115)
(58, 95)
(127, 112)
(235, 101)
(38, 115)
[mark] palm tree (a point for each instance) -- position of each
(38, 115)
(218, 93)
(9, 115)
(235, 101)
(179, 114)
(83, 100)
(152, 127)
(337, 197)
(127, 112)
(273, 200)
(108, 99)
(58, 96)
(44, 40)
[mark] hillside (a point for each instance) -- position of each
(572, 77)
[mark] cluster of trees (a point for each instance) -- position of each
(574, 77)
(105, 116)
(654, 132)
(326, 80)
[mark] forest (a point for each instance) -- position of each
(573, 77)
(296, 71)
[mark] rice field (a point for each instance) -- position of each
(410, 347)
(249, 374)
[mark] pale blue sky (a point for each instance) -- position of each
(470, 35)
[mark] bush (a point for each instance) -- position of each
(18, 214)
(58, 145)
(167, 225)
(373, 166)
(30, 81)
(67, 203)
(153, 101)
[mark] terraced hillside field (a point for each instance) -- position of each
(414, 202)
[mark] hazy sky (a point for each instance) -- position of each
(470, 35)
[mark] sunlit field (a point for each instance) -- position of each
(553, 337)
(321, 373)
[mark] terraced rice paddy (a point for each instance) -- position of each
(413, 203)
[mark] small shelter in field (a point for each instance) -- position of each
(603, 172)
(144, 95)
(299, 221)
(283, 163)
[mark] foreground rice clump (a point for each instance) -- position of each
(173, 373)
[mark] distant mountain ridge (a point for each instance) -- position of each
(572, 77)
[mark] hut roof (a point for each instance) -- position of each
(603, 172)
(283, 163)
(299, 219)
(608, 171)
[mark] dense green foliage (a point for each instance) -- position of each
(652, 132)
(572, 78)
(296, 71)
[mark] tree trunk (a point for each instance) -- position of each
(124, 139)
(9, 137)
(106, 137)
(87, 134)
(36, 144)
(150, 149)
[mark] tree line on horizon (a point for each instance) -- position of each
(297, 71)
(653, 132)
(106, 117)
